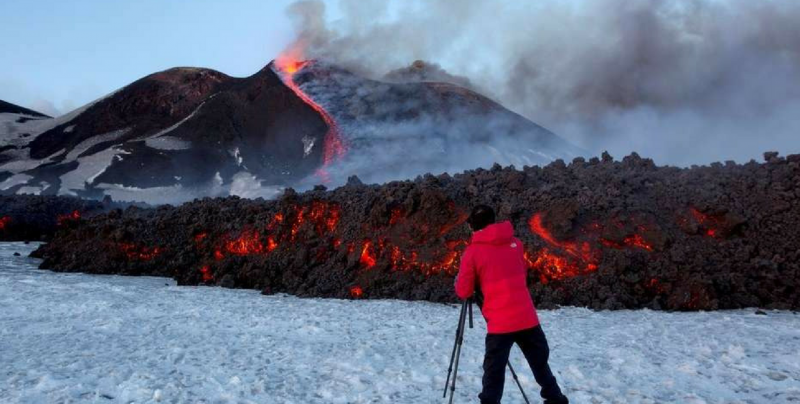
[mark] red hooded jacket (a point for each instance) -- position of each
(495, 261)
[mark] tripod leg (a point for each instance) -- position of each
(459, 331)
(516, 379)
(469, 303)
(455, 370)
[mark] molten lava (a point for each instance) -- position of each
(4, 221)
(139, 253)
(709, 225)
(249, 242)
(356, 292)
(368, 255)
(637, 240)
(549, 265)
(75, 215)
(334, 148)
(396, 216)
(205, 271)
(579, 258)
(271, 244)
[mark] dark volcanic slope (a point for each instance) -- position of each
(7, 107)
(182, 126)
(601, 234)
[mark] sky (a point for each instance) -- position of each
(58, 55)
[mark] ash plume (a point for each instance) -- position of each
(681, 81)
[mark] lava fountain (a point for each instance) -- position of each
(288, 65)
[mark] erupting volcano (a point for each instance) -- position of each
(184, 133)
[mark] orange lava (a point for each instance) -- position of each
(139, 253)
(356, 292)
(551, 266)
(75, 215)
(249, 242)
(709, 224)
(582, 250)
(397, 215)
(368, 255)
(655, 286)
(580, 257)
(206, 272)
(271, 244)
(637, 240)
(334, 148)
(405, 261)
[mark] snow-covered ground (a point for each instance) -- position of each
(68, 338)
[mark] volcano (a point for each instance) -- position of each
(189, 132)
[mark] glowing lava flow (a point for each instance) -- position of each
(4, 221)
(551, 266)
(709, 224)
(75, 215)
(333, 147)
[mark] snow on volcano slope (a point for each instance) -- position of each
(67, 338)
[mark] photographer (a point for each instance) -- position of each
(495, 264)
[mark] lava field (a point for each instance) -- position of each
(600, 233)
(36, 218)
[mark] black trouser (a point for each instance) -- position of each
(533, 344)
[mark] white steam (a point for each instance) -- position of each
(682, 81)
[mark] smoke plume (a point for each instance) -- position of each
(682, 81)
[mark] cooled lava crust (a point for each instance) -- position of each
(597, 233)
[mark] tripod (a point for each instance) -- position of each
(466, 309)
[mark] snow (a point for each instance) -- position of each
(11, 130)
(168, 143)
(89, 168)
(91, 338)
(14, 180)
(23, 161)
(179, 123)
(94, 140)
(246, 185)
(39, 125)
(30, 190)
(308, 144)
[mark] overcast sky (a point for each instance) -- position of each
(57, 55)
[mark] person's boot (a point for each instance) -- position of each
(562, 400)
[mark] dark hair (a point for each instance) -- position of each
(481, 217)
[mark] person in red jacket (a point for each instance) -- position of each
(493, 265)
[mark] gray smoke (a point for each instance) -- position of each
(399, 131)
(681, 81)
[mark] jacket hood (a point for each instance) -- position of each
(498, 233)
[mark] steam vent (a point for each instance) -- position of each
(597, 233)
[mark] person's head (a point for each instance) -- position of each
(481, 217)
